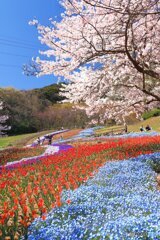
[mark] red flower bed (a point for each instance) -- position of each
(31, 191)
(15, 154)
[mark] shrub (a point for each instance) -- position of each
(153, 113)
(155, 164)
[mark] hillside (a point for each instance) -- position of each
(51, 93)
(39, 109)
(25, 139)
(20, 140)
(154, 122)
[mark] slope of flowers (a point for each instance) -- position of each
(14, 154)
(120, 202)
(32, 190)
(50, 150)
(86, 133)
(135, 134)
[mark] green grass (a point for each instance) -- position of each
(21, 140)
(153, 113)
(154, 122)
(106, 130)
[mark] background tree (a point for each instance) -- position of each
(65, 115)
(50, 93)
(109, 51)
(3, 119)
(22, 107)
(32, 111)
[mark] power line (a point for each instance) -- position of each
(13, 38)
(9, 65)
(13, 54)
(17, 42)
(17, 46)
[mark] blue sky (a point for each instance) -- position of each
(19, 41)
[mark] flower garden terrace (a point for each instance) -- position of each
(30, 191)
(120, 202)
(14, 154)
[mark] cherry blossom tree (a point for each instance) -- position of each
(3, 119)
(108, 50)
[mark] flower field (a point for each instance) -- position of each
(14, 154)
(31, 191)
(120, 202)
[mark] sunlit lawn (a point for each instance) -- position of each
(24, 139)
(153, 122)
(20, 140)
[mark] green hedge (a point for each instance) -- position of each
(155, 164)
(153, 113)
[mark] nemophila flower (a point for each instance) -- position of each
(120, 202)
(42, 182)
(86, 133)
(139, 134)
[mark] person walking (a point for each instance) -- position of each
(38, 140)
(125, 128)
(49, 140)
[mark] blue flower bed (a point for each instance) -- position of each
(62, 147)
(86, 133)
(121, 202)
(134, 134)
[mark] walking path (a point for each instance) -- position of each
(50, 149)
(61, 145)
(46, 137)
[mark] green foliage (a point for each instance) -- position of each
(155, 164)
(33, 110)
(64, 115)
(51, 93)
(22, 107)
(153, 113)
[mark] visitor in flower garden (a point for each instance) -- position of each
(141, 128)
(42, 140)
(125, 128)
(49, 140)
(38, 141)
(148, 128)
